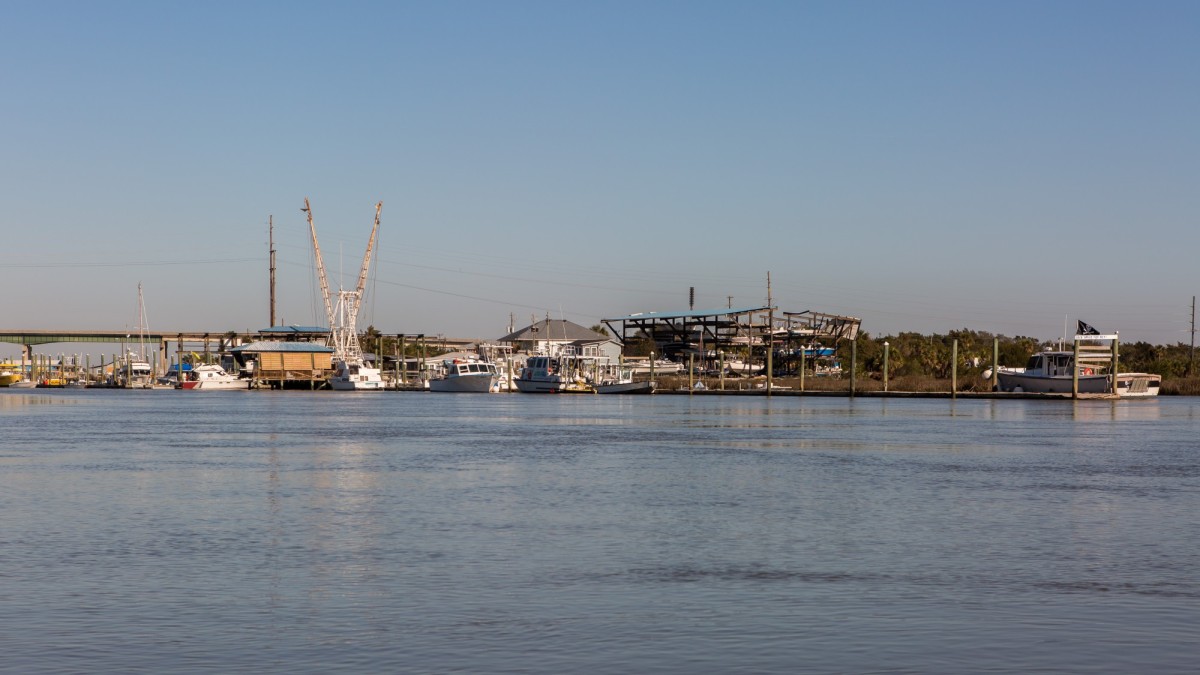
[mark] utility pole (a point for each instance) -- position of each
(770, 337)
(271, 244)
(1192, 351)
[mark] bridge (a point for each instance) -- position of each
(159, 340)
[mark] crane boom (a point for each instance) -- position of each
(320, 265)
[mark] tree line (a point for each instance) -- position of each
(930, 355)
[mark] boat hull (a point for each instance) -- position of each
(539, 386)
(475, 383)
(552, 387)
(212, 385)
(1041, 384)
(360, 385)
(211, 377)
(646, 387)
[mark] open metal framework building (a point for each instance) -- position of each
(792, 336)
(676, 334)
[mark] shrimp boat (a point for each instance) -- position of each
(351, 372)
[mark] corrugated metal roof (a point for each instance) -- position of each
(276, 346)
(690, 314)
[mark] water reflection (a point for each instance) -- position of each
(1115, 410)
(410, 533)
(25, 398)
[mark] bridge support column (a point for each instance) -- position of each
(28, 349)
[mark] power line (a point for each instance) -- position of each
(138, 263)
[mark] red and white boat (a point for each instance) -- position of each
(212, 376)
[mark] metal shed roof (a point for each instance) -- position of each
(690, 314)
(274, 346)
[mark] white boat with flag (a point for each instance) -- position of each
(1088, 369)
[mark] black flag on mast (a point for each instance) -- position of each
(1085, 329)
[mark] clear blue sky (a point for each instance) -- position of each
(922, 165)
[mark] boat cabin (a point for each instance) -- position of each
(1054, 364)
(458, 367)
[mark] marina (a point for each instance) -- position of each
(749, 349)
(297, 357)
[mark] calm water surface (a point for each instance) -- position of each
(149, 532)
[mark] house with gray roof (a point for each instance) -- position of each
(550, 334)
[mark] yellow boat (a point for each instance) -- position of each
(10, 373)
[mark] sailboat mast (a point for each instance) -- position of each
(320, 264)
(141, 324)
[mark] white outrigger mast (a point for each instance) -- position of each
(320, 265)
(345, 332)
(351, 372)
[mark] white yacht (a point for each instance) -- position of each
(211, 376)
(355, 375)
(132, 372)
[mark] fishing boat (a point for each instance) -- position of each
(619, 380)
(1053, 372)
(466, 375)
(544, 374)
(211, 376)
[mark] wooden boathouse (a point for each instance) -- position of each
(280, 365)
